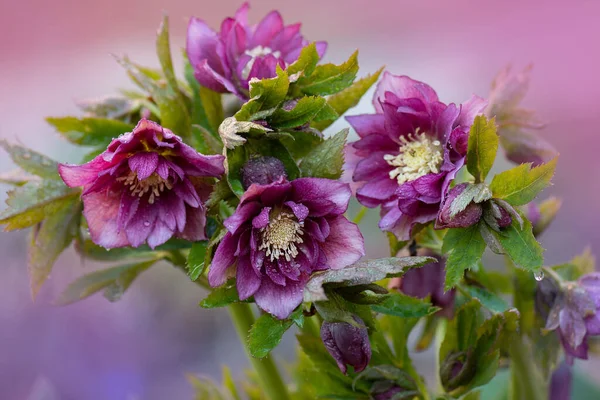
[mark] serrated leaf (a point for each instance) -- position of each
(195, 261)
(47, 240)
(265, 334)
(31, 161)
(89, 131)
(482, 148)
(401, 305)
(465, 247)
(205, 142)
(265, 94)
(488, 299)
(230, 128)
(32, 202)
(348, 98)
(303, 112)
(16, 178)
(476, 193)
(116, 280)
(326, 159)
(306, 62)
(89, 249)
(360, 273)
(520, 185)
(521, 246)
(301, 143)
(329, 78)
(221, 296)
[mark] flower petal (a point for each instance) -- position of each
(100, 211)
(222, 260)
(280, 301)
(344, 245)
(310, 189)
(247, 282)
(403, 87)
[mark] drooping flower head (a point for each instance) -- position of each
(347, 344)
(409, 151)
(145, 187)
(280, 234)
(225, 61)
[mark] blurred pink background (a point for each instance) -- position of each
(140, 348)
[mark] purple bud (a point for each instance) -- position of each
(457, 369)
(470, 215)
(560, 383)
(262, 171)
(505, 219)
(347, 344)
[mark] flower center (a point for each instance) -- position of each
(281, 235)
(154, 184)
(418, 156)
(258, 51)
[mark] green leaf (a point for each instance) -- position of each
(348, 98)
(465, 247)
(306, 62)
(304, 111)
(207, 109)
(483, 146)
(32, 202)
(230, 128)
(477, 193)
(301, 143)
(274, 148)
(265, 334)
(195, 260)
(49, 238)
(326, 160)
(489, 300)
(520, 185)
(90, 250)
(461, 332)
(360, 273)
(115, 280)
(521, 246)
(235, 160)
(31, 161)
(329, 78)
(265, 94)
(401, 305)
(89, 131)
(221, 296)
(548, 210)
(16, 178)
(205, 142)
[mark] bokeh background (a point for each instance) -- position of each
(55, 51)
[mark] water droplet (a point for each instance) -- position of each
(146, 223)
(538, 275)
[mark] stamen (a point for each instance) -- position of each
(154, 185)
(418, 156)
(280, 237)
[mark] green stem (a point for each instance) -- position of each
(526, 381)
(360, 215)
(268, 374)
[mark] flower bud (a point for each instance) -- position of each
(457, 370)
(470, 215)
(262, 171)
(560, 383)
(347, 344)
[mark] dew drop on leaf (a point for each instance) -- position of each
(539, 275)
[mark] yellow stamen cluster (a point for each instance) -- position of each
(154, 184)
(418, 156)
(281, 235)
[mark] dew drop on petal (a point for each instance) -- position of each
(539, 275)
(146, 223)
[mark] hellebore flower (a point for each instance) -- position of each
(561, 382)
(574, 313)
(515, 123)
(145, 187)
(427, 281)
(410, 151)
(347, 344)
(280, 234)
(227, 60)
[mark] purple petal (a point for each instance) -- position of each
(374, 193)
(403, 87)
(262, 219)
(82, 175)
(266, 29)
(100, 211)
(272, 270)
(209, 78)
(141, 224)
(222, 260)
(344, 245)
(471, 108)
(247, 282)
(160, 234)
(367, 124)
(195, 225)
(243, 214)
(311, 189)
(277, 300)
(144, 164)
(299, 210)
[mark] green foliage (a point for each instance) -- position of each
(483, 146)
(267, 331)
(348, 98)
(465, 247)
(548, 210)
(207, 109)
(96, 132)
(265, 96)
(360, 273)
(49, 238)
(31, 161)
(520, 244)
(89, 249)
(329, 78)
(34, 201)
(327, 158)
(300, 143)
(221, 296)
(306, 62)
(114, 281)
(401, 305)
(304, 111)
(520, 185)
(195, 261)
(488, 299)
(477, 193)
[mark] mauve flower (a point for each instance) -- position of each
(280, 234)
(561, 382)
(410, 151)
(225, 61)
(574, 313)
(347, 344)
(145, 187)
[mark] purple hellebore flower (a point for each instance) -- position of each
(410, 151)
(575, 315)
(561, 382)
(227, 60)
(347, 344)
(280, 234)
(145, 187)
(425, 281)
